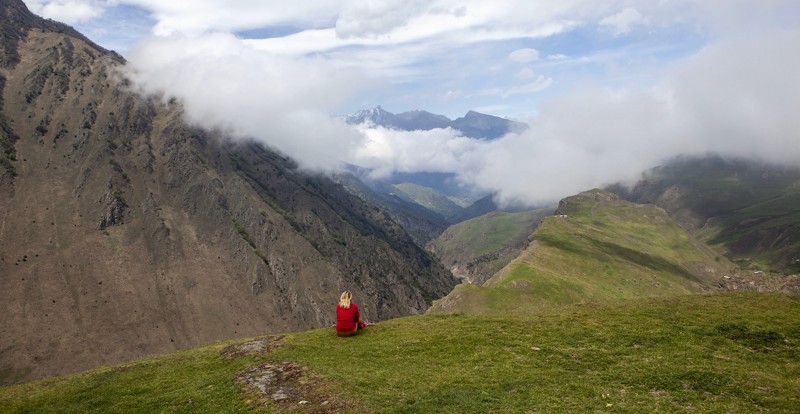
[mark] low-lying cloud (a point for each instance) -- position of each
(736, 97)
(226, 84)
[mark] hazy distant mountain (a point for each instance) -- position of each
(473, 124)
(478, 125)
(376, 116)
(423, 120)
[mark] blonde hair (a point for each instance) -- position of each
(344, 300)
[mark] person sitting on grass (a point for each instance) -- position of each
(348, 320)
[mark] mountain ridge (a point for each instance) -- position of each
(473, 124)
(595, 247)
(748, 210)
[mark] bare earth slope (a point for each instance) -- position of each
(125, 232)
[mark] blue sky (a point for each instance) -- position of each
(610, 43)
(609, 87)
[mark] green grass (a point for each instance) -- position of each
(768, 232)
(485, 244)
(183, 382)
(717, 353)
(598, 248)
(488, 233)
(744, 209)
(430, 199)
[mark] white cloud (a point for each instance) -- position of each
(541, 83)
(525, 73)
(715, 101)
(736, 96)
(448, 95)
(375, 18)
(226, 84)
(524, 55)
(623, 22)
(198, 16)
(387, 150)
(68, 11)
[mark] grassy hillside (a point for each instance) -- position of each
(762, 236)
(430, 199)
(698, 353)
(597, 247)
(748, 210)
(476, 249)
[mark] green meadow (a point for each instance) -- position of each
(695, 353)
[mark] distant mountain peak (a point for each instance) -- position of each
(376, 116)
(478, 125)
(473, 124)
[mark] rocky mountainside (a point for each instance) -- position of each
(126, 232)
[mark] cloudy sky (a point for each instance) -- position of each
(609, 87)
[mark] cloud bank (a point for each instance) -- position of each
(225, 84)
(735, 96)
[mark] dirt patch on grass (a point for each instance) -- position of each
(258, 346)
(288, 387)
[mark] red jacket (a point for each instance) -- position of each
(347, 319)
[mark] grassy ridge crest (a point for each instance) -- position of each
(597, 247)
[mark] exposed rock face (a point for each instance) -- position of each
(126, 232)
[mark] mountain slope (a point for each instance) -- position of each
(597, 247)
(430, 199)
(749, 211)
(125, 232)
(422, 224)
(476, 249)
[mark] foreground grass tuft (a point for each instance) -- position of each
(715, 353)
